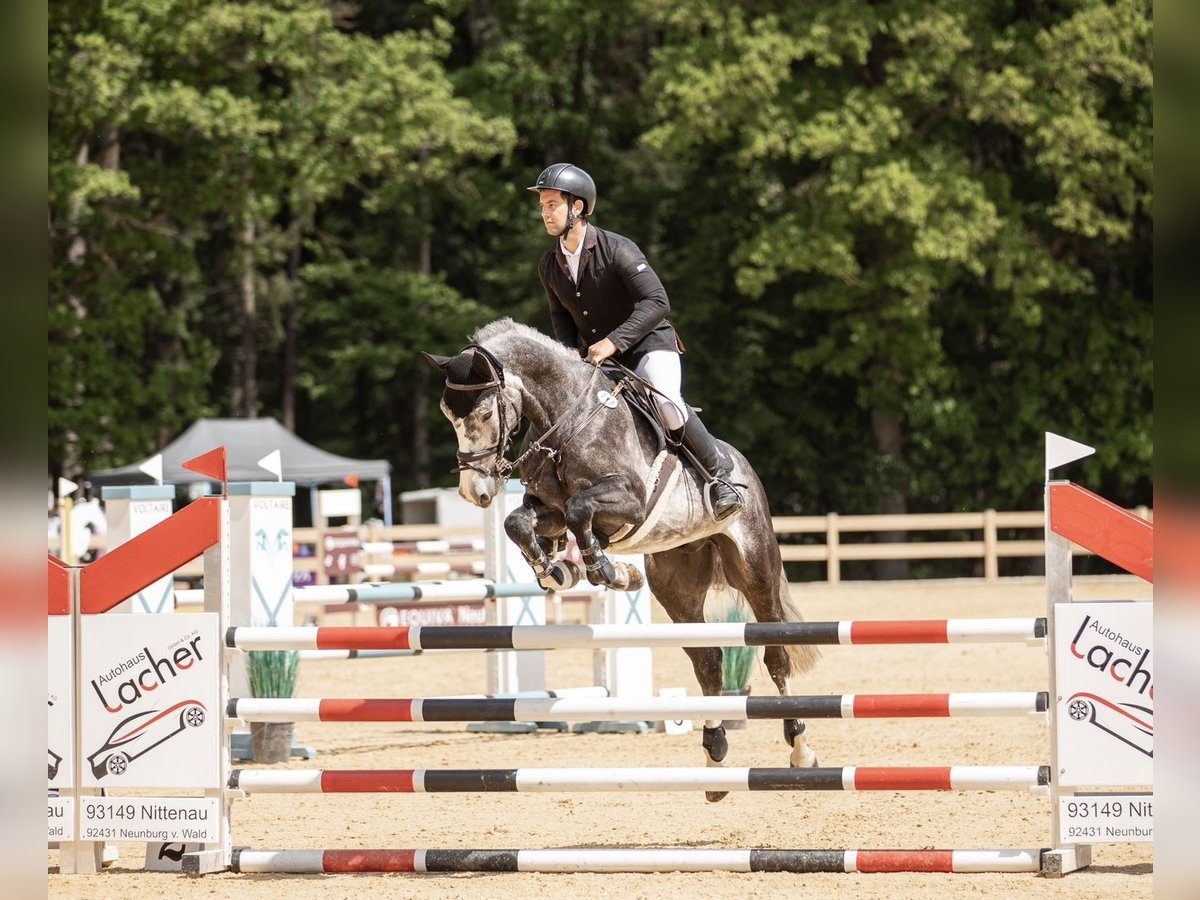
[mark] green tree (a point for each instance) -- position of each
(195, 148)
(127, 364)
(944, 210)
(901, 239)
(567, 77)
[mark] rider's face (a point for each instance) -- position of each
(554, 211)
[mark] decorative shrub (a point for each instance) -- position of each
(736, 662)
(273, 673)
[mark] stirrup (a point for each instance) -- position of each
(734, 510)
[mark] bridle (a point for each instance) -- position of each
(495, 376)
(502, 469)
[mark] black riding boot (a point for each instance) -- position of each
(726, 501)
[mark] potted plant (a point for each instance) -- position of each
(272, 674)
(736, 663)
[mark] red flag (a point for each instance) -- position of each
(351, 479)
(210, 464)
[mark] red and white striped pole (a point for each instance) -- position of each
(654, 709)
(702, 634)
(635, 860)
(536, 781)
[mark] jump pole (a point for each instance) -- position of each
(642, 860)
(700, 634)
(608, 709)
(715, 778)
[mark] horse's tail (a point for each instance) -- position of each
(802, 657)
(723, 598)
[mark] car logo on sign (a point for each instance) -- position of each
(142, 732)
(1127, 722)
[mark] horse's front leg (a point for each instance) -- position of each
(581, 510)
(533, 528)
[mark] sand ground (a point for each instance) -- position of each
(991, 820)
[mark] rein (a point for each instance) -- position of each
(536, 446)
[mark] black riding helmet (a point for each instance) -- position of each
(570, 179)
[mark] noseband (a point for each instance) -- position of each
(495, 376)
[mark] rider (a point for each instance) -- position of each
(606, 301)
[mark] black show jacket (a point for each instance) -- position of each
(619, 296)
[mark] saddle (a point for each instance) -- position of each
(639, 394)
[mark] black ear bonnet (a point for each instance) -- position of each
(468, 375)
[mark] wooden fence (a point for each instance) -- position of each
(986, 536)
(832, 540)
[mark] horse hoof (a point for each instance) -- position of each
(634, 580)
(562, 576)
(715, 796)
(808, 760)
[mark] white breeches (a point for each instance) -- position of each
(661, 368)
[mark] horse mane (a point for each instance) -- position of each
(507, 327)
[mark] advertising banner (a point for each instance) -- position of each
(59, 720)
(60, 714)
(342, 553)
(1105, 696)
(1106, 819)
(149, 698)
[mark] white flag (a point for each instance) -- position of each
(273, 463)
(153, 467)
(1061, 450)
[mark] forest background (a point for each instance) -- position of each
(901, 239)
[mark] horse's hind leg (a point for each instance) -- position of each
(779, 665)
(680, 579)
(754, 569)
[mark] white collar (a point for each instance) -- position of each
(567, 253)
(573, 258)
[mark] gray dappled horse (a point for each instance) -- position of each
(590, 467)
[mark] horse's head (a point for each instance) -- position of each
(485, 414)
